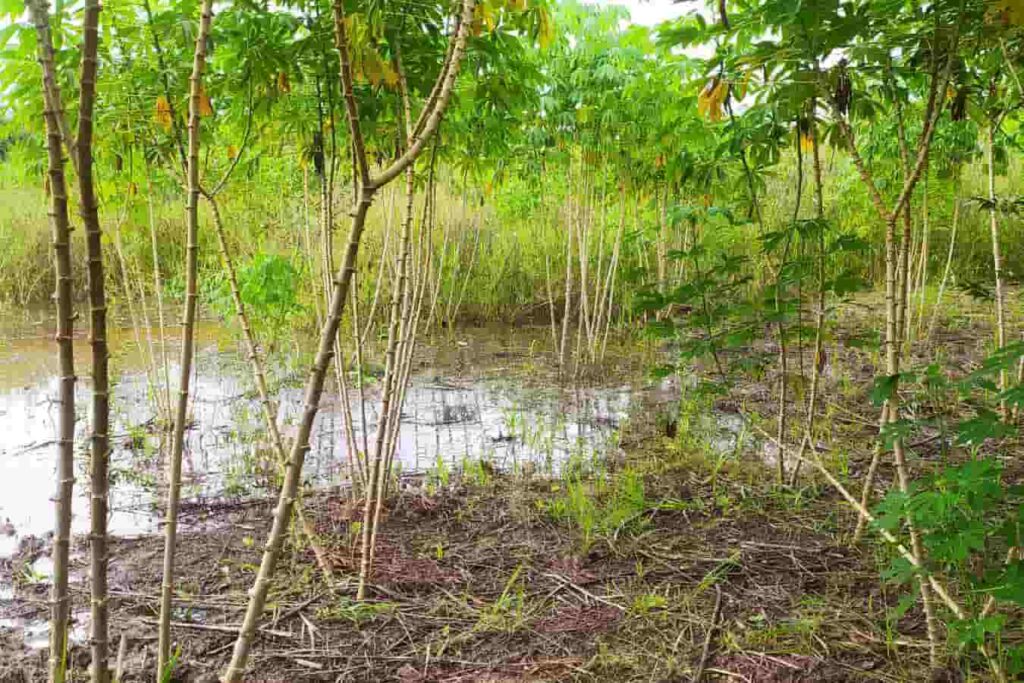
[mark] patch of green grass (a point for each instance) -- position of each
(598, 508)
(356, 611)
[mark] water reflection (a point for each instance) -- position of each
(454, 412)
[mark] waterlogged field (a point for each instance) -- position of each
(476, 397)
(481, 400)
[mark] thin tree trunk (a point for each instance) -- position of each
(608, 293)
(99, 461)
(397, 327)
(356, 472)
(567, 310)
(385, 241)
(60, 598)
(949, 255)
(922, 271)
(259, 374)
(583, 237)
(360, 375)
(430, 119)
(897, 295)
(439, 276)
(997, 263)
(662, 246)
(187, 341)
(454, 312)
(911, 175)
(146, 351)
(819, 313)
(551, 301)
(783, 351)
(159, 290)
(374, 499)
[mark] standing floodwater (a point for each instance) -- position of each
(484, 395)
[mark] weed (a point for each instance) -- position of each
(595, 508)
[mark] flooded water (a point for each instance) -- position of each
(483, 395)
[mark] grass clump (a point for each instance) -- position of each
(601, 506)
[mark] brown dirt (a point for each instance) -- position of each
(477, 583)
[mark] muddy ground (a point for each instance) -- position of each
(722, 573)
(476, 583)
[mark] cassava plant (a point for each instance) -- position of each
(426, 125)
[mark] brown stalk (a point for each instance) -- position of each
(187, 340)
(325, 351)
(99, 461)
(60, 598)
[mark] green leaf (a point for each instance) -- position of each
(903, 605)
(986, 425)
(850, 243)
(847, 282)
(897, 429)
(1008, 585)
(1013, 396)
(974, 631)
(884, 388)
(662, 371)
(899, 571)
(661, 329)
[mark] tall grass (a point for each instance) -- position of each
(493, 248)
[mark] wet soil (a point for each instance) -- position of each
(478, 580)
(477, 583)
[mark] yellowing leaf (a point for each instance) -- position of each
(390, 76)
(545, 29)
(487, 15)
(711, 98)
(205, 106)
(163, 113)
(232, 152)
(282, 82)
(373, 68)
(741, 92)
